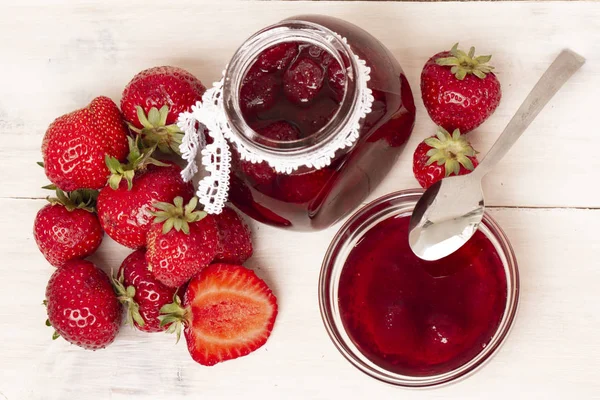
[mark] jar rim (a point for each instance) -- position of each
(395, 204)
(244, 58)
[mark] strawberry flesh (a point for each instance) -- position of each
(231, 313)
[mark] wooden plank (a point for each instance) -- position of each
(552, 351)
(62, 55)
(59, 55)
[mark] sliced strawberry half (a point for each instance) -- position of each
(228, 312)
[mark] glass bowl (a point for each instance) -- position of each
(401, 204)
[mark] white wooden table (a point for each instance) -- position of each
(545, 194)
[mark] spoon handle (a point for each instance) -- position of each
(563, 67)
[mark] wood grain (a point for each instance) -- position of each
(552, 351)
(65, 55)
(59, 55)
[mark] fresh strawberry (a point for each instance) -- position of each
(459, 90)
(82, 306)
(125, 205)
(67, 228)
(235, 245)
(153, 100)
(141, 293)
(443, 155)
(262, 173)
(76, 144)
(303, 187)
(227, 311)
(175, 255)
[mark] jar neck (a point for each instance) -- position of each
(244, 58)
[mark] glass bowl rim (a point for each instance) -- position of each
(335, 330)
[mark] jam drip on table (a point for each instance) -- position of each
(417, 317)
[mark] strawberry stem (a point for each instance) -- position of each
(84, 199)
(126, 297)
(452, 151)
(176, 215)
(55, 334)
(156, 132)
(139, 158)
(174, 315)
(463, 64)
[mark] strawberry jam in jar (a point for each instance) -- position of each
(294, 90)
(412, 322)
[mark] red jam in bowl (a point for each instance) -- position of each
(415, 317)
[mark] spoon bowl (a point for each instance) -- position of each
(436, 231)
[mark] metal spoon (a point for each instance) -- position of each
(449, 212)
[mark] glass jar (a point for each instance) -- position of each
(309, 198)
(331, 281)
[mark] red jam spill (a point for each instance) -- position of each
(416, 317)
(295, 84)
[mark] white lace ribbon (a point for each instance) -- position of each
(216, 157)
(213, 188)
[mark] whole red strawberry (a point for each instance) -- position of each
(76, 144)
(181, 242)
(227, 311)
(153, 100)
(125, 205)
(235, 245)
(141, 293)
(67, 228)
(82, 306)
(443, 155)
(459, 90)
